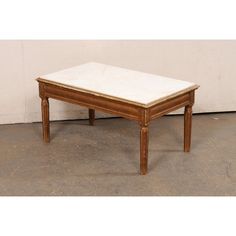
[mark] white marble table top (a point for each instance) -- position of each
(118, 83)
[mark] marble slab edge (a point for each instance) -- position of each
(194, 87)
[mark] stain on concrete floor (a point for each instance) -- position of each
(83, 160)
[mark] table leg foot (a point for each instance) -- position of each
(143, 149)
(187, 127)
(91, 116)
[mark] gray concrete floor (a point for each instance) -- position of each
(104, 159)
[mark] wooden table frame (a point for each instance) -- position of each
(124, 109)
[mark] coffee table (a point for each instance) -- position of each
(130, 94)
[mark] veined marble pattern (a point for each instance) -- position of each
(119, 83)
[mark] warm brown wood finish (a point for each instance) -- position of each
(188, 123)
(169, 105)
(91, 116)
(121, 108)
(143, 149)
(45, 119)
(187, 127)
(91, 101)
(45, 113)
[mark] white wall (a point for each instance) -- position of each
(211, 64)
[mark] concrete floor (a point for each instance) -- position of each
(104, 159)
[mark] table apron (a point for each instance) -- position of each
(91, 101)
(120, 108)
(172, 104)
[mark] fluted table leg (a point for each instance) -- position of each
(187, 127)
(143, 149)
(45, 119)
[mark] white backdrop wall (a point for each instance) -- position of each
(211, 64)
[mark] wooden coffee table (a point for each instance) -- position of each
(130, 94)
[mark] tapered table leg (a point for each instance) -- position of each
(187, 127)
(91, 116)
(45, 119)
(143, 149)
